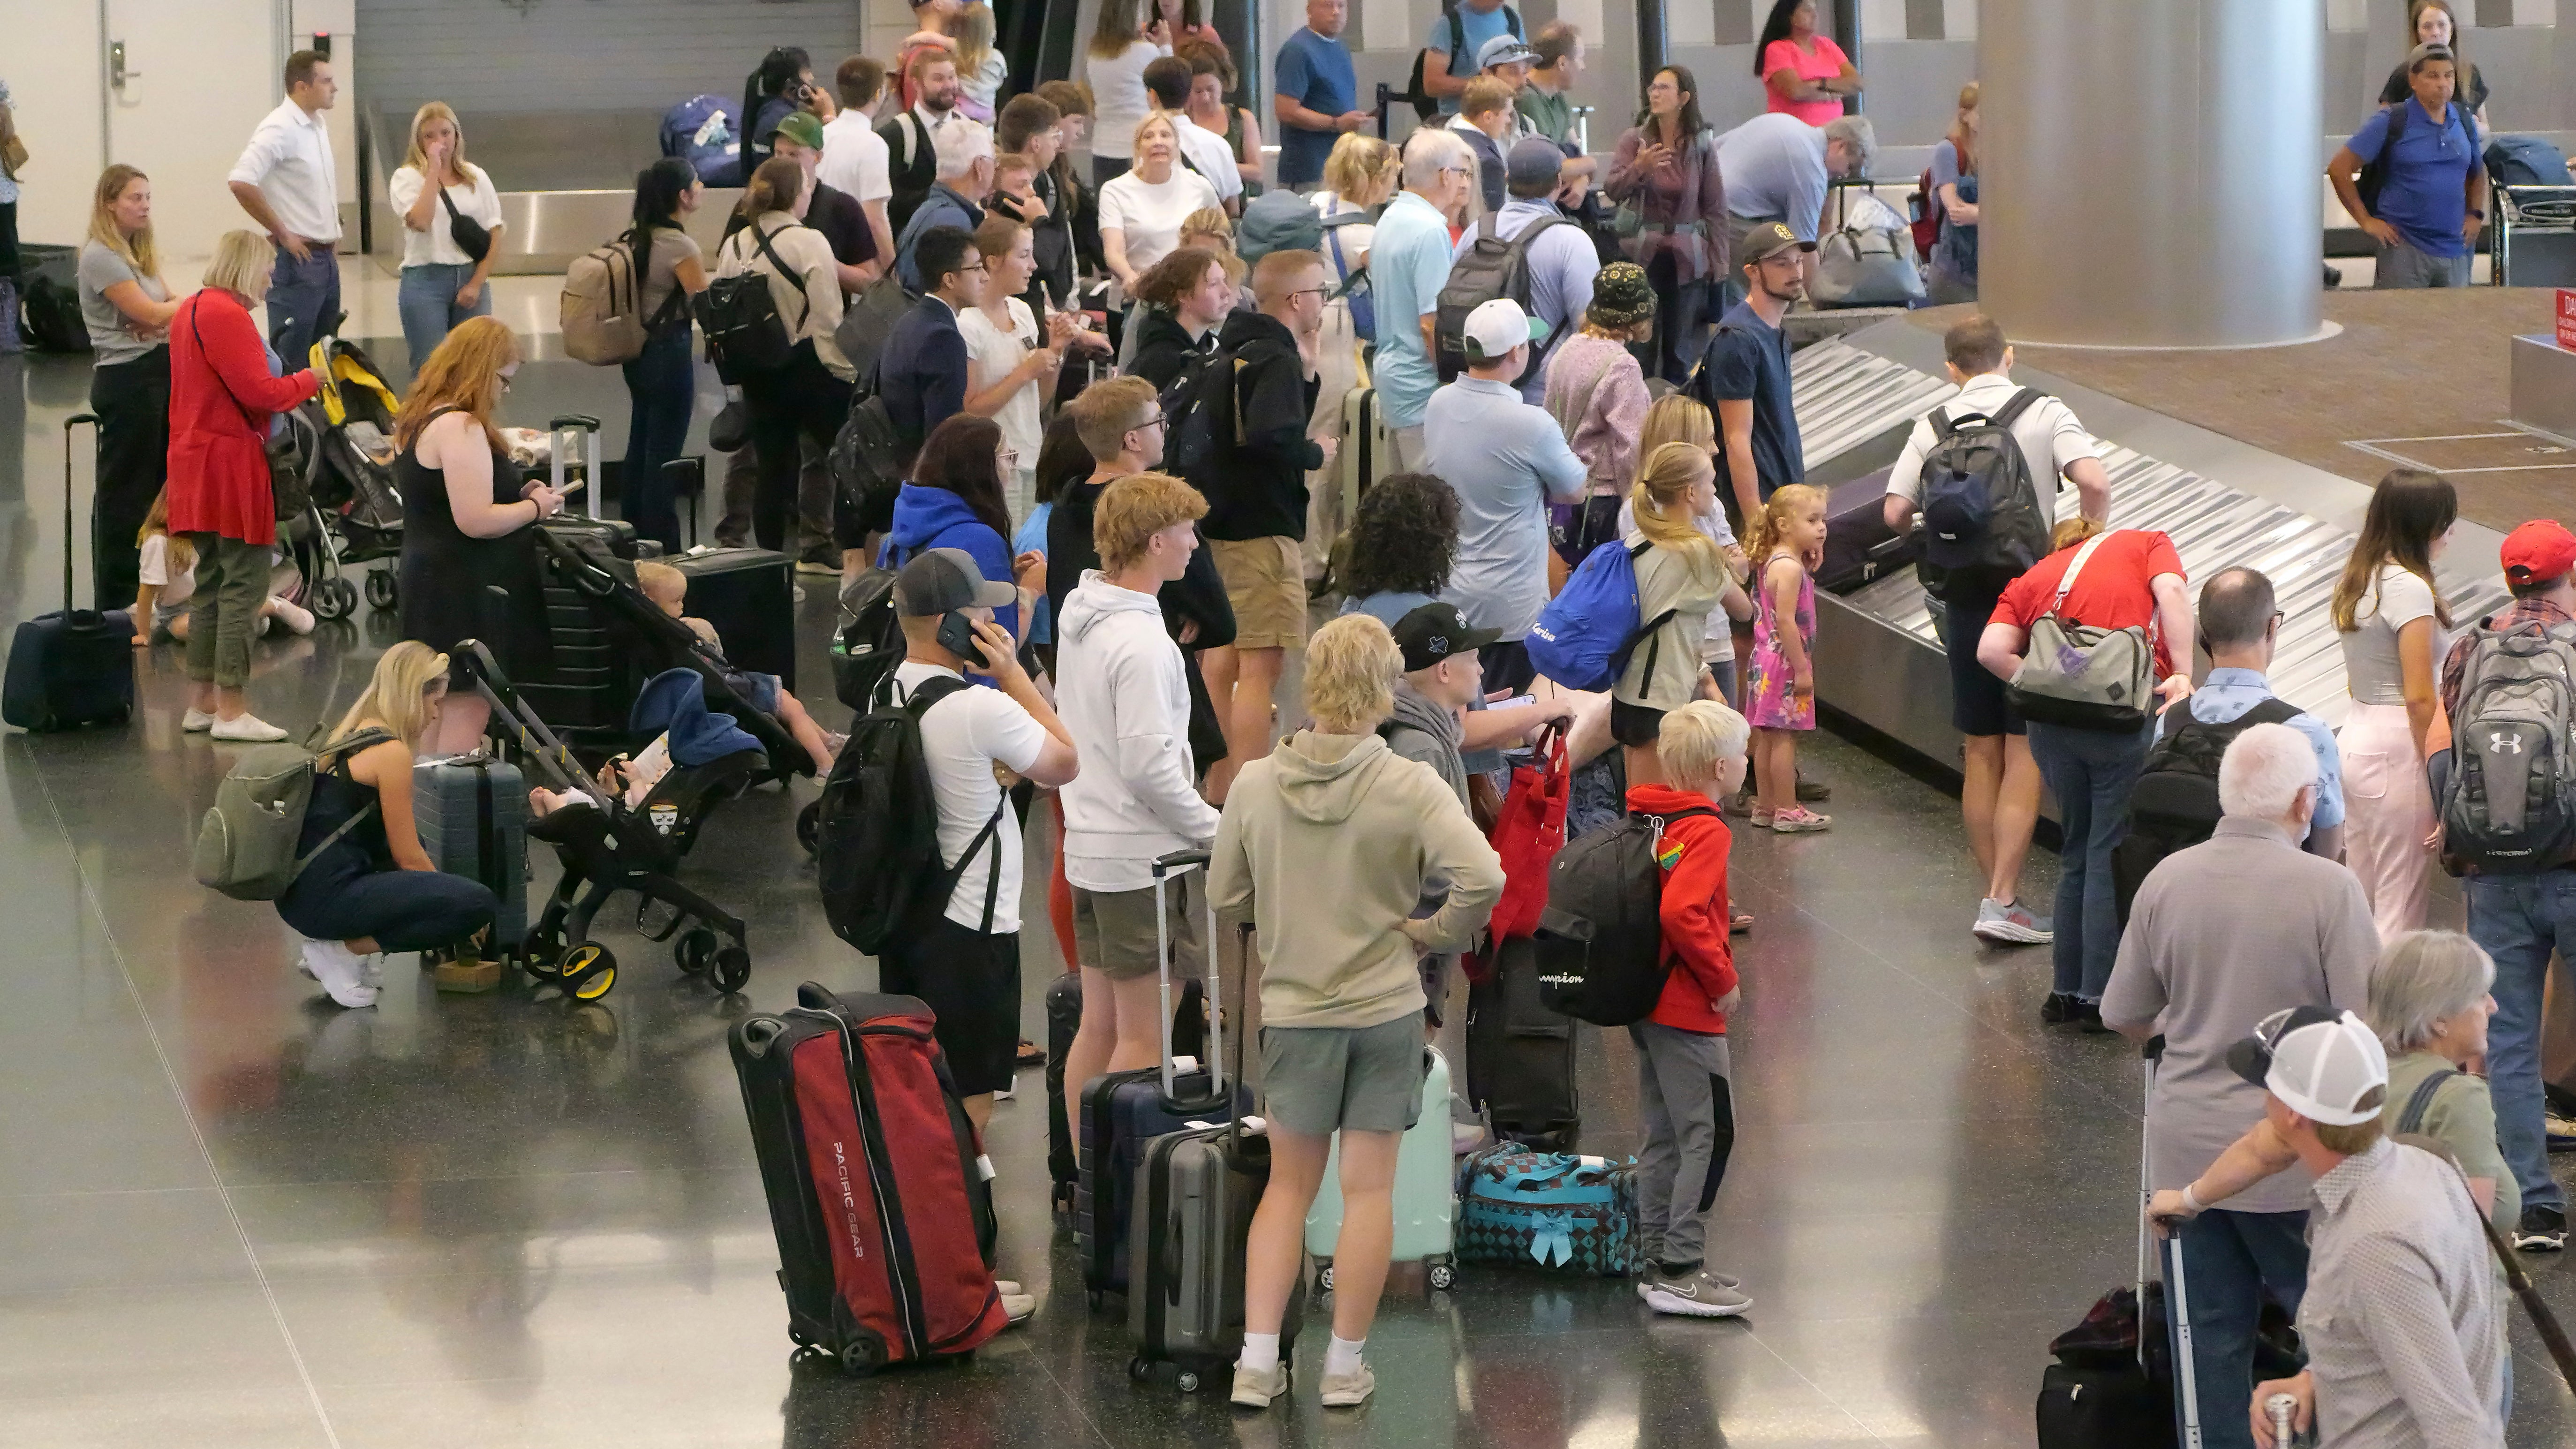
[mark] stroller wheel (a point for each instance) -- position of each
(328, 602)
(732, 969)
(809, 826)
(695, 950)
(382, 592)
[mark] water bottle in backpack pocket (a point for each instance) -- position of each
(2509, 805)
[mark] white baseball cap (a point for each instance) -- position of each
(1498, 326)
(2322, 1063)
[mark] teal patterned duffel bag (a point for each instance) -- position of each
(1548, 1209)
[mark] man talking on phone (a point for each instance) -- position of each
(963, 956)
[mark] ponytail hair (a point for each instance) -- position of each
(658, 189)
(1661, 498)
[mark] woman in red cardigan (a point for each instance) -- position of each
(221, 398)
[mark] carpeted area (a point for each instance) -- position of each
(2407, 365)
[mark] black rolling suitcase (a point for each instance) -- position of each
(592, 668)
(1520, 1053)
(75, 666)
(1859, 546)
(749, 595)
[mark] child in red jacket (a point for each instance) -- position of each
(1681, 1048)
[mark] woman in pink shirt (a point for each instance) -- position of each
(1803, 73)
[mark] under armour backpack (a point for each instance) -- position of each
(1982, 513)
(2509, 807)
(1601, 938)
(877, 833)
(1489, 268)
(2174, 804)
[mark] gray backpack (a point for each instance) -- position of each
(2509, 807)
(2082, 677)
(246, 844)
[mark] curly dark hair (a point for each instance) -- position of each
(1403, 538)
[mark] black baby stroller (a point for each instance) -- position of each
(350, 477)
(606, 846)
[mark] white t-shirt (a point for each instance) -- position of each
(154, 569)
(2050, 437)
(437, 246)
(1213, 158)
(962, 737)
(992, 353)
(2371, 664)
(1150, 217)
(855, 159)
(1118, 99)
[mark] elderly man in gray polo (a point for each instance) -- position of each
(2224, 933)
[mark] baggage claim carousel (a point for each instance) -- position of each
(1879, 661)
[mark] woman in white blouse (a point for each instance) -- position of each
(1011, 366)
(809, 394)
(2392, 621)
(451, 232)
(1121, 47)
(1141, 211)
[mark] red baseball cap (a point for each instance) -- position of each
(2538, 551)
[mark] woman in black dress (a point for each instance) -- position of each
(462, 512)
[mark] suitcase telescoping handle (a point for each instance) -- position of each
(1167, 868)
(69, 423)
(586, 429)
(2177, 1291)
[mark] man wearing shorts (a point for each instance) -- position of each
(1125, 694)
(964, 961)
(1256, 522)
(2000, 796)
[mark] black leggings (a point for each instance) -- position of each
(804, 398)
(1679, 309)
(132, 400)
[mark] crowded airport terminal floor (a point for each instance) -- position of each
(437, 1004)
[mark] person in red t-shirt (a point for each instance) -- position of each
(1682, 1068)
(2131, 578)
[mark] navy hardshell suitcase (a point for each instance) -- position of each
(75, 666)
(472, 813)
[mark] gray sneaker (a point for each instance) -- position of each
(1350, 1390)
(1698, 1293)
(2014, 924)
(1256, 1390)
(1646, 1281)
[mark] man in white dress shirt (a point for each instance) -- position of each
(287, 181)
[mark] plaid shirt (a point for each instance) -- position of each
(2401, 1319)
(2456, 663)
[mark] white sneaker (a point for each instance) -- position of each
(1001, 1094)
(1255, 1390)
(371, 968)
(337, 968)
(1017, 1308)
(293, 615)
(246, 729)
(1350, 1390)
(196, 721)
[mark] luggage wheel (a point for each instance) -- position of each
(809, 826)
(1444, 1275)
(1324, 1276)
(1189, 1382)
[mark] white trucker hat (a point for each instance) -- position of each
(2322, 1063)
(1498, 326)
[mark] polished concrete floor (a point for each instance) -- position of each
(232, 1215)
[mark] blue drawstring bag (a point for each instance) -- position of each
(1584, 636)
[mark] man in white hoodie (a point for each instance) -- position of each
(1124, 694)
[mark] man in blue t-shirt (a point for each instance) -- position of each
(1318, 94)
(1448, 59)
(1744, 376)
(2433, 192)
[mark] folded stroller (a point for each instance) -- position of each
(351, 478)
(607, 845)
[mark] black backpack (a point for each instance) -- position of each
(1489, 268)
(1601, 938)
(1983, 514)
(1427, 105)
(877, 834)
(912, 168)
(2374, 172)
(871, 643)
(745, 332)
(2174, 805)
(1199, 415)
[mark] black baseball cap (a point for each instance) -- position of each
(1435, 632)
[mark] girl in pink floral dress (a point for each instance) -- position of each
(1788, 540)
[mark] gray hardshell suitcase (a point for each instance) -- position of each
(472, 813)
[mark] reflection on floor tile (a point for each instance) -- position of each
(233, 1215)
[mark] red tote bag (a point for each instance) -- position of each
(1529, 833)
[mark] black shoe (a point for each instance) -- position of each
(1811, 791)
(2058, 1009)
(2542, 1230)
(2088, 1015)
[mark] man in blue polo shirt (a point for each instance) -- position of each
(1409, 261)
(1318, 94)
(1744, 376)
(2433, 192)
(1449, 51)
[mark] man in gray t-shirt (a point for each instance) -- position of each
(2222, 935)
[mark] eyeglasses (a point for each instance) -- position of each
(1155, 421)
(1312, 292)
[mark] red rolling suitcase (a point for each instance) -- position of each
(878, 1189)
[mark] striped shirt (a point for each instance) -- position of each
(2401, 1321)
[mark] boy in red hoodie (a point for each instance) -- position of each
(1682, 1067)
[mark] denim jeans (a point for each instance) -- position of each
(2090, 773)
(303, 303)
(428, 305)
(2231, 1262)
(2518, 919)
(661, 392)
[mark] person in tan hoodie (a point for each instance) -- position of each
(1324, 846)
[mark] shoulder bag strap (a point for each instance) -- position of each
(932, 692)
(2410, 1118)
(784, 270)
(249, 417)
(2022, 402)
(2066, 581)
